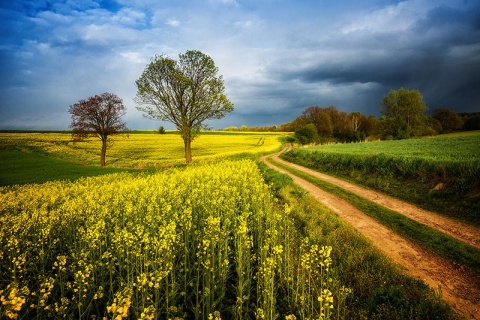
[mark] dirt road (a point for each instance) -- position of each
(460, 290)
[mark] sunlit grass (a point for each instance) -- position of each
(440, 174)
(426, 237)
(451, 147)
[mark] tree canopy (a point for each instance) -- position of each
(449, 120)
(99, 115)
(185, 92)
(405, 110)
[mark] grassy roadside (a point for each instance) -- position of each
(380, 289)
(440, 174)
(430, 239)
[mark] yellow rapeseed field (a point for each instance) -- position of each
(144, 150)
(201, 242)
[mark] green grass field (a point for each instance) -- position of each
(441, 173)
(456, 148)
(21, 168)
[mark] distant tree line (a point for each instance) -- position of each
(403, 116)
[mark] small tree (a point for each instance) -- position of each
(101, 116)
(405, 109)
(185, 92)
(307, 134)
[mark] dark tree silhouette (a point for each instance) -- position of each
(449, 119)
(100, 116)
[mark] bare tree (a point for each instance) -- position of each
(101, 116)
(185, 92)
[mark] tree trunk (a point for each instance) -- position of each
(104, 151)
(188, 151)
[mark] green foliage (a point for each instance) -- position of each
(333, 125)
(471, 121)
(403, 113)
(186, 92)
(448, 119)
(161, 130)
(231, 128)
(307, 134)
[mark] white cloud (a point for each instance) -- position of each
(108, 34)
(393, 18)
(173, 22)
(243, 24)
(130, 17)
(227, 2)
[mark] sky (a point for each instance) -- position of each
(277, 57)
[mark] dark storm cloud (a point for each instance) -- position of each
(439, 55)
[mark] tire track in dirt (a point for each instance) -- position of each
(459, 289)
(459, 230)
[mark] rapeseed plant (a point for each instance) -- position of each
(141, 151)
(12, 299)
(175, 244)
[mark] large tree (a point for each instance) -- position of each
(101, 116)
(185, 92)
(405, 109)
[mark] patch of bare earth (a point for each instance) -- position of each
(459, 289)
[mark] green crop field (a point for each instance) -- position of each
(441, 173)
(458, 148)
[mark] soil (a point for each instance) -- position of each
(460, 289)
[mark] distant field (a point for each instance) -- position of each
(141, 150)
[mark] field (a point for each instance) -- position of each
(220, 239)
(455, 148)
(180, 244)
(141, 150)
(441, 174)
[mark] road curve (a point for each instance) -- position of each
(459, 289)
